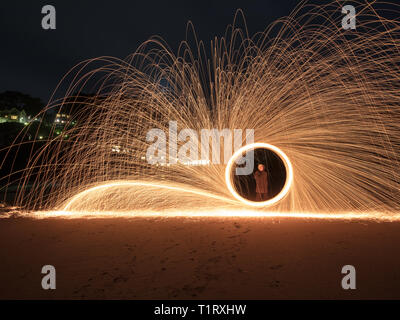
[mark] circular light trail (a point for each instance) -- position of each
(282, 156)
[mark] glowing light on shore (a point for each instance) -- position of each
(217, 213)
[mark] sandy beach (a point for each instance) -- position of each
(198, 258)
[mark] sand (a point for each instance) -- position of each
(198, 258)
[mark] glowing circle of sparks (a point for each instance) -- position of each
(282, 156)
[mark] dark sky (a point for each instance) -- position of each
(34, 60)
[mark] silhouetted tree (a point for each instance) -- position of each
(20, 101)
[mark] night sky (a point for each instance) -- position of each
(34, 60)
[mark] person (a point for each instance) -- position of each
(261, 177)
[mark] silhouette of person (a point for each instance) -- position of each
(261, 177)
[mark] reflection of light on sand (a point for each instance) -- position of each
(217, 213)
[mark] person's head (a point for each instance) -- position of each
(261, 167)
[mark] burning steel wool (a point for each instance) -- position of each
(326, 98)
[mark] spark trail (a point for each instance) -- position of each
(328, 98)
